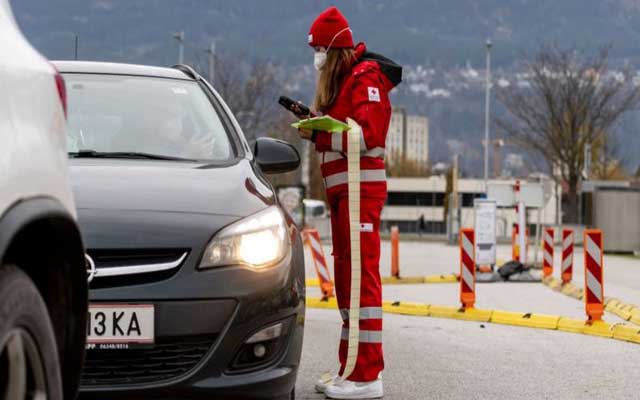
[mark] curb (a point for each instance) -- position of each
(627, 333)
(405, 280)
(626, 311)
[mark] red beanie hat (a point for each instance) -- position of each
(330, 28)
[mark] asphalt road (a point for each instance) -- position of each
(431, 358)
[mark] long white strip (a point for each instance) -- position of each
(353, 169)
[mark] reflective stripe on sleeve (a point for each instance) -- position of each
(377, 152)
(332, 156)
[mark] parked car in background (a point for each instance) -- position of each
(197, 287)
(318, 217)
(43, 279)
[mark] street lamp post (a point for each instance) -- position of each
(486, 115)
(179, 36)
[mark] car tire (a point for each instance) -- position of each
(29, 364)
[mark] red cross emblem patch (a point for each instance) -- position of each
(374, 93)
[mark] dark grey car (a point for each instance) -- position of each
(197, 274)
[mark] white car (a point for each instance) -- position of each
(43, 278)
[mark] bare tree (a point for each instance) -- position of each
(400, 165)
(607, 163)
(250, 89)
(567, 101)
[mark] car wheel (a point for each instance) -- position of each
(29, 367)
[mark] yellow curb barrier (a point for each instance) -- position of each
(525, 319)
(598, 328)
(406, 308)
(620, 331)
(622, 310)
(392, 280)
(451, 278)
(312, 282)
(555, 284)
(314, 302)
(626, 311)
(626, 332)
(635, 316)
(474, 314)
(570, 325)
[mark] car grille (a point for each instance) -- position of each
(168, 359)
(109, 258)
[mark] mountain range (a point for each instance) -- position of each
(440, 43)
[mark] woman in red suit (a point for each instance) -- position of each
(353, 83)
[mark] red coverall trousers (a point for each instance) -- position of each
(370, 360)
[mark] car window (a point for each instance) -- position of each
(169, 117)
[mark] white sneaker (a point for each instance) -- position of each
(355, 390)
(327, 380)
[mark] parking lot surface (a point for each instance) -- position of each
(447, 359)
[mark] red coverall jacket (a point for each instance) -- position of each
(363, 97)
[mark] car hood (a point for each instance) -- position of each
(170, 186)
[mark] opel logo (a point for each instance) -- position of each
(91, 267)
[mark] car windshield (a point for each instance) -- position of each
(152, 116)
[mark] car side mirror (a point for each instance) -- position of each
(275, 156)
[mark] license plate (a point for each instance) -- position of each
(120, 326)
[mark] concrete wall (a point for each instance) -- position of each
(617, 213)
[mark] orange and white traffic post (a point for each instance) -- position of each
(312, 240)
(515, 242)
(547, 251)
(593, 276)
(467, 268)
(395, 252)
(567, 255)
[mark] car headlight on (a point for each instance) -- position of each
(257, 241)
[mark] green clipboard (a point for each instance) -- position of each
(324, 123)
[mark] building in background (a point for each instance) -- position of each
(410, 198)
(408, 136)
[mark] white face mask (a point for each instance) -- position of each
(319, 59)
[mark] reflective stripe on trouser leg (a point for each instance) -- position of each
(366, 175)
(365, 336)
(370, 359)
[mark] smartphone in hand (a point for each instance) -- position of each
(297, 108)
